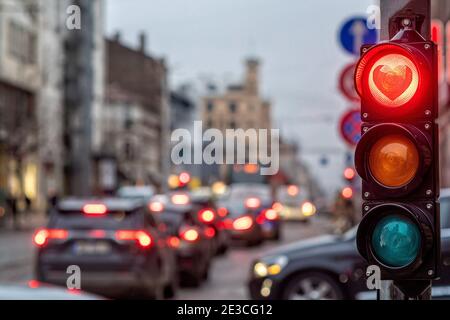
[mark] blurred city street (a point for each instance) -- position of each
(228, 274)
(228, 149)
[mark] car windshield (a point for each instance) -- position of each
(113, 220)
(136, 192)
(242, 191)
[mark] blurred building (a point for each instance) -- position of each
(134, 123)
(241, 106)
(440, 9)
(30, 98)
(83, 96)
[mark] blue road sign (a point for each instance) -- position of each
(354, 33)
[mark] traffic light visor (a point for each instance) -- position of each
(396, 241)
(393, 160)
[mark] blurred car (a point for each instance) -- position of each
(116, 243)
(209, 214)
(188, 236)
(258, 203)
(293, 204)
(330, 267)
(39, 291)
(143, 193)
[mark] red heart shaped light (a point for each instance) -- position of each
(392, 82)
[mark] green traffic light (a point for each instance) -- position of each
(396, 241)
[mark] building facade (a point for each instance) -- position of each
(241, 106)
(135, 120)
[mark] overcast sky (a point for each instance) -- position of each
(295, 39)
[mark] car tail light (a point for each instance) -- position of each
(252, 203)
(42, 236)
(210, 232)
(97, 233)
(190, 235)
(34, 284)
(173, 242)
(222, 212)
(94, 209)
(180, 199)
(243, 223)
(206, 215)
(277, 206)
(227, 224)
(270, 214)
(141, 237)
(156, 206)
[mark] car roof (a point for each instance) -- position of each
(445, 192)
(115, 204)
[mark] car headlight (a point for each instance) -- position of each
(270, 266)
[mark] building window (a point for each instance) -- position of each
(22, 43)
(233, 107)
(210, 106)
(233, 125)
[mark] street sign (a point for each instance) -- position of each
(347, 83)
(354, 33)
(350, 126)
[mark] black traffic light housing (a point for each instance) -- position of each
(408, 110)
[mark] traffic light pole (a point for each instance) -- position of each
(395, 14)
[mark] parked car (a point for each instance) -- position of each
(188, 236)
(116, 243)
(208, 213)
(330, 267)
(257, 201)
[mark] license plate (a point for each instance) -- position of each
(91, 248)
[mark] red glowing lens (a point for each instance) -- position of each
(207, 215)
(393, 80)
(243, 223)
(252, 203)
(94, 209)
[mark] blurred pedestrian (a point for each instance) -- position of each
(52, 201)
(11, 200)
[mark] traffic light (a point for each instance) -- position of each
(397, 157)
(349, 174)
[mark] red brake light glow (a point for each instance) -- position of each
(347, 192)
(174, 242)
(243, 223)
(222, 212)
(156, 206)
(141, 237)
(42, 236)
(190, 235)
(271, 214)
(206, 215)
(180, 199)
(252, 203)
(277, 206)
(94, 209)
(184, 178)
(292, 190)
(210, 232)
(349, 173)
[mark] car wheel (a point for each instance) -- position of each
(312, 286)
